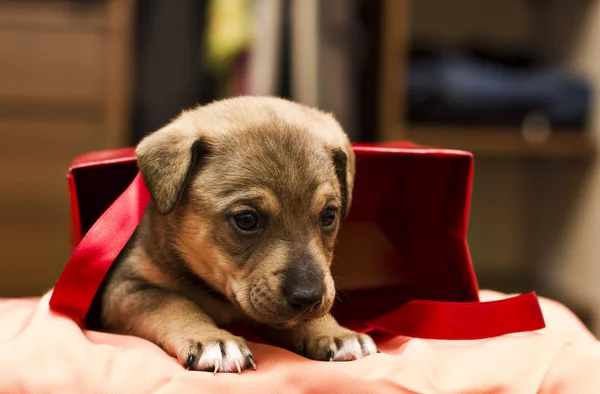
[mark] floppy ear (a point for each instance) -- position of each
(166, 159)
(344, 162)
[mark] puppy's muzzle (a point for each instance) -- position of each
(303, 286)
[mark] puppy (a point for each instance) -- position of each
(247, 195)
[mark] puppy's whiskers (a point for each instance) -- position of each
(335, 277)
(240, 291)
(339, 292)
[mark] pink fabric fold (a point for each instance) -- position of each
(42, 351)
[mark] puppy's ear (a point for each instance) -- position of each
(166, 159)
(344, 163)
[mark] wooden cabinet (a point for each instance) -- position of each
(399, 21)
(64, 90)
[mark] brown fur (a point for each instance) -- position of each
(189, 269)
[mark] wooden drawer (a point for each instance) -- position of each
(40, 65)
(40, 152)
(63, 60)
(64, 137)
(64, 91)
(55, 14)
(34, 198)
(35, 243)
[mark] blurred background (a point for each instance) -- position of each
(514, 81)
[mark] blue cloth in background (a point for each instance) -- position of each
(463, 89)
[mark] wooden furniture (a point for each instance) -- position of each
(396, 27)
(64, 90)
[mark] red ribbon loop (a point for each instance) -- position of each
(462, 320)
(91, 260)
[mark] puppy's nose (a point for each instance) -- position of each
(305, 298)
(303, 285)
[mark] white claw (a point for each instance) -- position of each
(214, 359)
(253, 363)
(350, 350)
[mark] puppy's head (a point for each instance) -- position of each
(253, 190)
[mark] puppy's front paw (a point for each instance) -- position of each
(339, 344)
(215, 352)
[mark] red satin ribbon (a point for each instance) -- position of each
(91, 260)
(462, 320)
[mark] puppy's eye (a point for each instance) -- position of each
(327, 218)
(246, 221)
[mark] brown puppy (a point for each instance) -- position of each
(247, 198)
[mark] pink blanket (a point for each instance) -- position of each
(41, 352)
